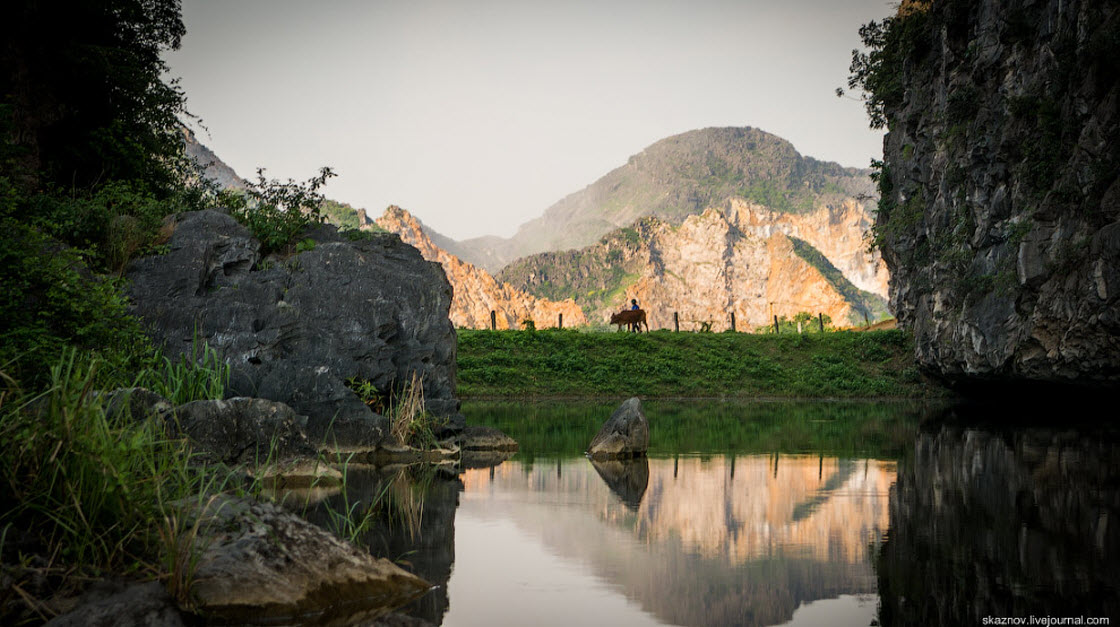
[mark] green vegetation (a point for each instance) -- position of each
(89, 490)
(845, 428)
(566, 363)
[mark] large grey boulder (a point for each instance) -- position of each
(260, 564)
(294, 330)
(624, 434)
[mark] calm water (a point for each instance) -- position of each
(764, 514)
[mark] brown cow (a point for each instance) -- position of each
(633, 317)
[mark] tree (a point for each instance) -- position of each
(82, 84)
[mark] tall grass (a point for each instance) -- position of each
(90, 490)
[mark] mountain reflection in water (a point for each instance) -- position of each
(690, 540)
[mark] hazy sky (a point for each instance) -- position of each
(477, 115)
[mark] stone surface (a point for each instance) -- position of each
(109, 604)
(476, 292)
(482, 438)
(624, 434)
(243, 430)
(294, 330)
(262, 564)
(1002, 209)
(743, 259)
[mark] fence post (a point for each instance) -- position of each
(776, 331)
(799, 327)
(676, 323)
(820, 319)
(866, 322)
(733, 322)
(493, 320)
(560, 322)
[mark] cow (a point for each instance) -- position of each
(632, 317)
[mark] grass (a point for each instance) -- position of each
(570, 364)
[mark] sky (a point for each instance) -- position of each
(477, 115)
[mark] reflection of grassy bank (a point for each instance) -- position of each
(842, 428)
(562, 363)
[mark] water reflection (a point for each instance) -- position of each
(1005, 523)
(690, 540)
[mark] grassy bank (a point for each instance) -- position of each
(565, 363)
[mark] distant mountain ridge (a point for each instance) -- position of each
(672, 179)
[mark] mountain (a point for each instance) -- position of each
(213, 168)
(672, 179)
(744, 259)
(475, 293)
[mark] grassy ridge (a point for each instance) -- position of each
(565, 363)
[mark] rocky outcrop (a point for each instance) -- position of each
(262, 565)
(295, 330)
(476, 293)
(1000, 209)
(744, 260)
(625, 434)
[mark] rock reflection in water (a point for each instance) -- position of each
(627, 478)
(723, 540)
(1005, 523)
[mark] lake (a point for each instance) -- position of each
(763, 513)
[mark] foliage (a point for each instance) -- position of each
(200, 374)
(277, 213)
(51, 301)
(89, 490)
(878, 72)
(566, 363)
(90, 104)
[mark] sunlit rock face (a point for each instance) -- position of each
(475, 292)
(1000, 217)
(1003, 524)
(703, 541)
(743, 259)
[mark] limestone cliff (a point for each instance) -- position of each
(1000, 199)
(744, 259)
(475, 292)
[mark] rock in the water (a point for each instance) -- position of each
(261, 564)
(295, 330)
(624, 434)
(113, 605)
(243, 430)
(481, 438)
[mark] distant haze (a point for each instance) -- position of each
(477, 116)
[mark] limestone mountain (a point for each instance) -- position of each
(744, 259)
(1000, 210)
(672, 179)
(475, 292)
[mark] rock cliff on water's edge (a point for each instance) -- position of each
(1000, 200)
